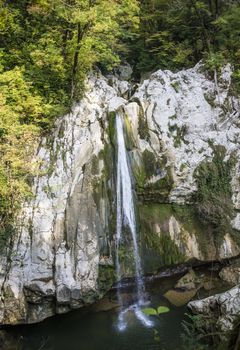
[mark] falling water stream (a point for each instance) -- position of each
(126, 217)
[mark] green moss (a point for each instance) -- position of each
(126, 258)
(140, 176)
(129, 139)
(178, 132)
(106, 154)
(106, 277)
(53, 156)
(61, 130)
(183, 166)
(151, 166)
(157, 245)
(155, 235)
(174, 116)
(150, 214)
(169, 251)
(6, 233)
(143, 130)
(213, 198)
(95, 165)
(160, 250)
(176, 85)
(210, 98)
(189, 218)
(111, 127)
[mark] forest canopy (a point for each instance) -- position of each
(49, 46)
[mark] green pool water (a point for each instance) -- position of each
(90, 330)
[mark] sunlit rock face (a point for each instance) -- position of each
(62, 254)
(57, 255)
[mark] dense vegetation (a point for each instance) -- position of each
(48, 47)
(178, 33)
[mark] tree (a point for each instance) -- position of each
(48, 48)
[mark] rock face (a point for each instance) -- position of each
(221, 308)
(231, 274)
(62, 255)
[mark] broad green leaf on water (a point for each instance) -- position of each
(149, 311)
(162, 310)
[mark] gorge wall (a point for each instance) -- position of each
(182, 132)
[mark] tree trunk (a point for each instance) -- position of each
(206, 40)
(210, 6)
(80, 34)
(216, 8)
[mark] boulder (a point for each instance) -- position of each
(224, 308)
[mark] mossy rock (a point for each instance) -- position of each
(143, 129)
(126, 258)
(95, 165)
(214, 195)
(128, 133)
(152, 166)
(112, 127)
(6, 232)
(158, 247)
(106, 277)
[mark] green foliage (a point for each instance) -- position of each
(200, 332)
(162, 310)
(47, 49)
(178, 33)
(155, 312)
(21, 109)
(194, 328)
(150, 311)
(170, 253)
(228, 31)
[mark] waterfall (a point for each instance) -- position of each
(126, 217)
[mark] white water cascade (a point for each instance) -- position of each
(126, 217)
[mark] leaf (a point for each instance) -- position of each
(162, 310)
(149, 311)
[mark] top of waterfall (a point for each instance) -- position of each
(115, 103)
